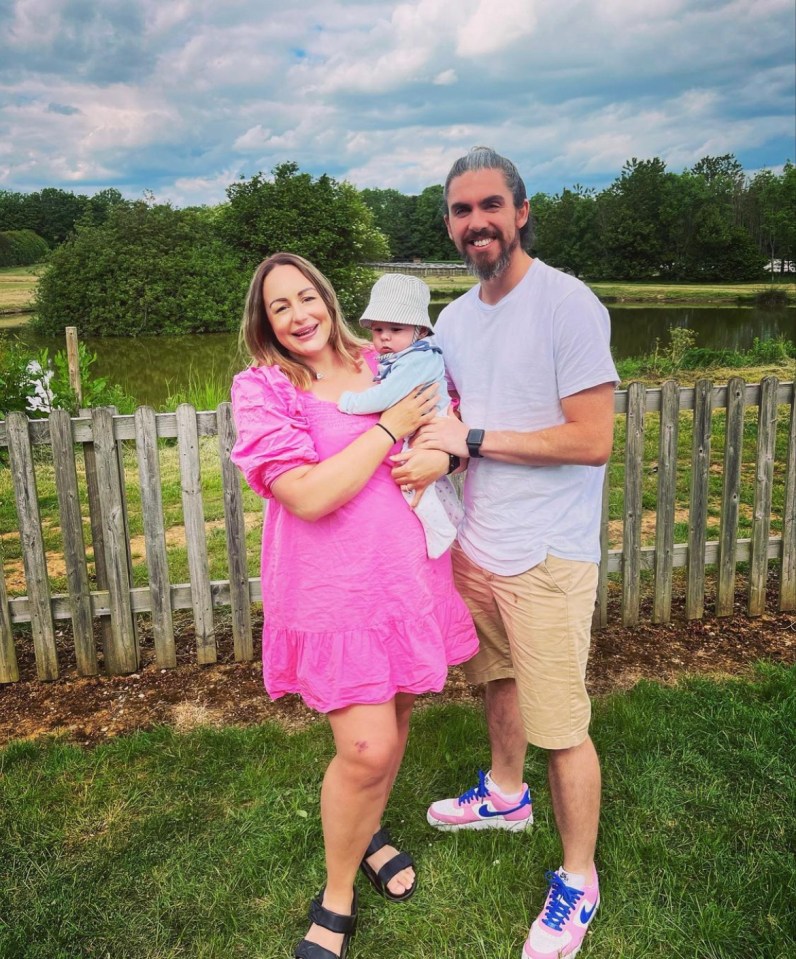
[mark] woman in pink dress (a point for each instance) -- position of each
(357, 619)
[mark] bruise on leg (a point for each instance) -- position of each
(361, 745)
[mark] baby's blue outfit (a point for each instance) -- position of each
(398, 375)
(439, 509)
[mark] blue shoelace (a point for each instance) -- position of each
(561, 901)
(480, 791)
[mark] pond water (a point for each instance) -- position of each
(152, 367)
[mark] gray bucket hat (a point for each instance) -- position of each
(398, 298)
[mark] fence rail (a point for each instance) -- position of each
(110, 600)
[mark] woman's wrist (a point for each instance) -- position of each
(389, 432)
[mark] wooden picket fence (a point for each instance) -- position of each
(112, 603)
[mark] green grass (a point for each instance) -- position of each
(163, 845)
(17, 284)
(628, 292)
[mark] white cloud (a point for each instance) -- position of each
(446, 78)
(495, 24)
(176, 96)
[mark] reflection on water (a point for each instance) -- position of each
(151, 367)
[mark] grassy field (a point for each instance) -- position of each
(444, 287)
(207, 845)
(17, 284)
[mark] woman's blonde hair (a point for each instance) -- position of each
(257, 335)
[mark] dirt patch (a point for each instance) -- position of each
(89, 710)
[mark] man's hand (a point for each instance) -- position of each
(443, 433)
(417, 469)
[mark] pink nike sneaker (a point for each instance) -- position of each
(558, 930)
(482, 807)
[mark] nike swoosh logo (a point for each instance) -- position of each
(487, 812)
(585, 916)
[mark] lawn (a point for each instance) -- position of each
(445, 287)
(205, 844)
(17, 284)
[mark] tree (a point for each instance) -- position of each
(773, 214)
(22, 248)
(566, 230)
(629, 213)
(320, 219)
(431, 238)
(393, 213)
(146, 269)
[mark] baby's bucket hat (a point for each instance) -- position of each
(398, 298)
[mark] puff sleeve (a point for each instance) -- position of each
(272, 429)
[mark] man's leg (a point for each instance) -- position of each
(507, 737)
(500, 800)
(575, 793)
(547, 612)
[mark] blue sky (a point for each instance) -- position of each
(182, 97)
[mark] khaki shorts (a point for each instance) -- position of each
(536, 628)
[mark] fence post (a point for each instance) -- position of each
(764, 481)
(155, 535)
(236, 537)
(122, 652)
(97, 533)
(9, 668)
(698, 508)
(631, 532)
(73, 359)
(787, 583)
(74, 547)
(731, 497)
(34, 558)
(600, 617)
(195, 536)
(664, 513)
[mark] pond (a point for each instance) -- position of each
(152, 367)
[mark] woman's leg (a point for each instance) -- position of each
(403, 712)
(353, 796)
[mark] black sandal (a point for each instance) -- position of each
(389, 870)
(332, 921)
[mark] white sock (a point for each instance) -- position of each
(573, 879)
(509, 797)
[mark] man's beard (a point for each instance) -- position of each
(490, 271)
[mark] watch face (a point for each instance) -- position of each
(474, 440)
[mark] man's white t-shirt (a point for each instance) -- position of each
(511, 364)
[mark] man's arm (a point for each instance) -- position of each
(585, 439)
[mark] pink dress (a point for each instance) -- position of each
(354, 609)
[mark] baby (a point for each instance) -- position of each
(397, 316)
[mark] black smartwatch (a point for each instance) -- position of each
(474, 440)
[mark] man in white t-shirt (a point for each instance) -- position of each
(527, 351)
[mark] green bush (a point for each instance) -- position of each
(17, 379)
(682, 353)
(146, 269)
(36, 383)
(22, 248)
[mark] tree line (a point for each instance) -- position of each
(709, 223)
(122, 267)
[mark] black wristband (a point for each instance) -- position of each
(453, 462)
(387, 432)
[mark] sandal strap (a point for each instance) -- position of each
(311, 950)
(333, 921)
(392, 867)
(380, 838)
